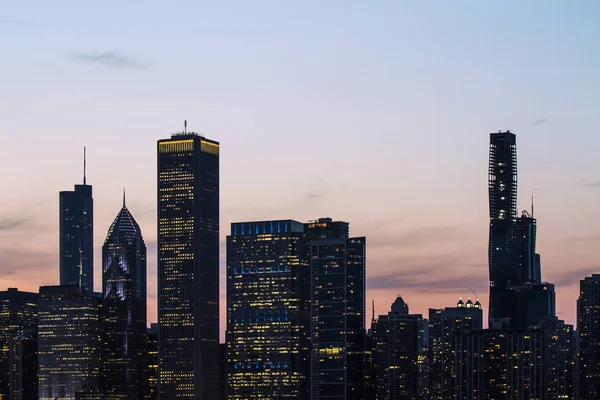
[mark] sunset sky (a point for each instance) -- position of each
(373, 112)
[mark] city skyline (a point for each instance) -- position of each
(396, 187)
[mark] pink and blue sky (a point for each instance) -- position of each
(377, 113)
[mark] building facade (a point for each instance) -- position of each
(123, 314)
(188, 267)
(396, 353)
(588, 327)
(268, 315)
(18, 314)
(68, 342)
(446, 327)
(23, 366)
(76, 236)
(338, 269)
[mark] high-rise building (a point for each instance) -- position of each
(23, 366)
(588, 326)
(68, 342)
(503, 212)
(337, 265)
(503, 364)
(523, 238)
(18, 313)
(534, 302)
(560, 356)
(123, 317)
(188, 267)
(397, 342)
(76, 232)
(423, 360)
(446, 327)
(151, 373)
(268, 315)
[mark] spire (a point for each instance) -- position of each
(185, 126)
(84, 165)
(373, 311)
(532, 204)
(123, 197)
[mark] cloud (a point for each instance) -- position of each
(592, 184)
(11, 223)
(110, 59)
(573, 276)
(539, 121)
(417, 236)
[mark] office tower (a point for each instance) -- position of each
(151, 373)
(560, 356)
(503, 212)
(423, 360)
(524, 238)
(68, 341)
(396, 337)
(123, 315)
(446, 327)
(18, 313)
(588, 326)
(337, 265)
(223, 372)
(268, 315)
(23, 365)
(534, 302)
(76, 233)
(504, 364)
(188, 267)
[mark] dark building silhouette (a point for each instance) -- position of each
(560, 355)
(533, 303)
(151, 372)
(268, 315)
(124, 307)
(504, 364)
(446, 341)
(68, 341)
(588, 327)
(423, 360)
(223, 372)
(23, 366)
(188, 267)
(76, 236)
(503, 212)
(337, 265)
(524, 239)
(396, 353)
(370, 372)
(18, 313)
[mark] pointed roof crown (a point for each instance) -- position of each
(124, 227)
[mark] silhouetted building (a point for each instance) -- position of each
(124, 307)
(268, 315)
(446, 327)
(337, 266)
(18, 313)
(23, 366)
(523, 239)
(588, 326)
(423, 360)
(151, 372)
(76, 233)
(503, 212)
(503, 364)
(188, 267)
(370, 372)
(534, 302)
(223, 371)
(68, 342)
(397, 343)
(560, 356)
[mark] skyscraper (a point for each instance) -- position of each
(68, 342)
(188, 267)
(123, 317)
(396, 352)
(23, 366)
(18, 313)
(337, 265)
(76, 231)
(503, 212)
(268, 316)
(588, 326)
(446, 327)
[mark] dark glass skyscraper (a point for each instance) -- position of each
(588, 326)
(188, 267)
(337, 265)
(396, 353)
(268, 295)
(68, 342)
(76, 231)
(124, 307)
(18, 313)
(503, 212)
(23, 366)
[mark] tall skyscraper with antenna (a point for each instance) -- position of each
(76, 242)
(188, 267)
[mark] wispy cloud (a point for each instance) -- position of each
(416, 236)
(573, 276)
(539, 121)
(110, 59)
(11, 223)
(592, 184)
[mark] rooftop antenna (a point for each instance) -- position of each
(373, 312)
(185, 126)
(84, 165)
(123, 197)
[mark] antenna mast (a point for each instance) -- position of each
(84, 165)
(185, 126)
